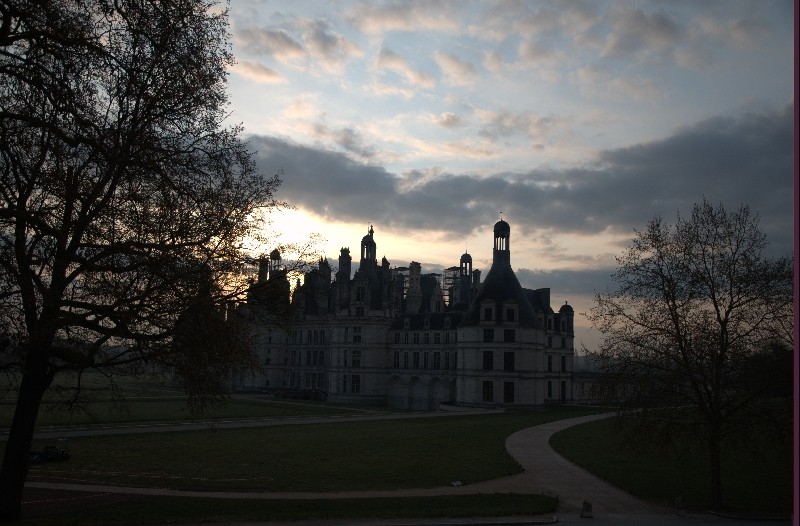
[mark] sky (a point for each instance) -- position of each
(575, 121)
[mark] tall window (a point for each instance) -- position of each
(397, 337)
(549, 362)
(437, 337)
(488, 360)
(356, 334)
(356, 359)
(563, 343)
(359, 293)
(396, 362)
(488, 391)
(425, 360)
(437, 360)
(508, 392)
(426, 338)
(549, 389)
(563, 363)
(415, 357)
(509, 335)
(416, 337)
(488, 314)
(355, 384)
(405, 337)
(488, 335)
(510, 315)
(405, 360)
(508, 361)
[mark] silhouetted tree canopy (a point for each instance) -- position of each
(121, 191)
(698, 321)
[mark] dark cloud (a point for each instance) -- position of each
(734, 161)
(347, 138)
(565, 282)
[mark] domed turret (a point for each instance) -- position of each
(501, 227)
(368, 247)
(502, 249)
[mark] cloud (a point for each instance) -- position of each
(457, 72)
(448, 120)
(347, 138)
(406, 16)
(539, 52)
(257, 72)
(329, 47)
(504, 124)
(636, 33)
(276, 44)
(388, 60)
(733, 160)
(301, 39)
(598, 82)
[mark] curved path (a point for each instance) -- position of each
(545, 471)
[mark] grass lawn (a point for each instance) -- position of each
(164, 510)
(381, 454)
(167, 409)
(756, 480)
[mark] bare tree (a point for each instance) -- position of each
(122, 192)
(697, 304)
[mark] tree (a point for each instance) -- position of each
(697, 304)
(121, 192)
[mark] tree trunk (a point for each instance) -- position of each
(20, 438)
(715, 459)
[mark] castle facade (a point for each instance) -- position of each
(393, 336)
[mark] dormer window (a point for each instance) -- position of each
(447, 323)
(406, 324)
(511, 314)
(488, 314)
(427, 323)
